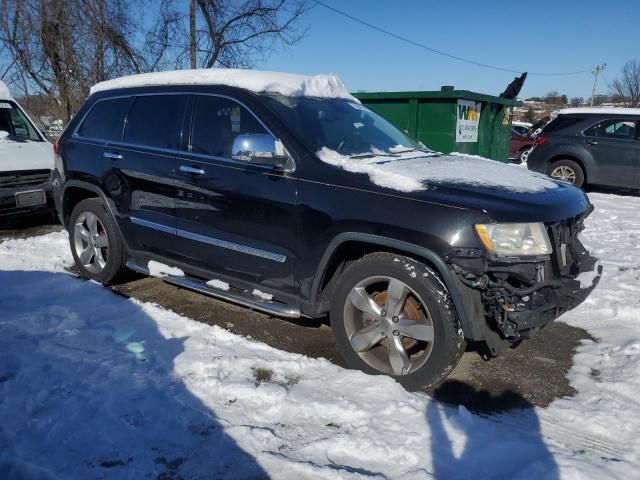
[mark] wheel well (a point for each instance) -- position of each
(347, 253)
(525, 147)
(73, 196)
(573, 159)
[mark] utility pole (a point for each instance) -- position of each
(192, 33)
(596, 71)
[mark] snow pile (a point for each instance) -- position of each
(219, 284)
(157, 269)
(606, 373)
(93, 385)
(50, 253)
(261, 294)
(409, 171)
(287, 84)
(4, 91)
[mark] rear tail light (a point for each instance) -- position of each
(56, 148)
(540, 140)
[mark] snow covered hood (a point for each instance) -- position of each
(417, 170)
(5, 94)
(291, 85)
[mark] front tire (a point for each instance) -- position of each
(567, 170)
(392, 315)
(524, 155)
(95, 240)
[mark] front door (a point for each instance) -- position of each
(235, 219)
(616, 151)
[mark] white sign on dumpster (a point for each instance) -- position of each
(467, 120)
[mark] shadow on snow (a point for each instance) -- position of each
(493, 446)
(87, 390)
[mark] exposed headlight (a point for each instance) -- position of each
(515, 238)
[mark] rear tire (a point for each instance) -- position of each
(423, 323)
(567, 170)
(96, 244)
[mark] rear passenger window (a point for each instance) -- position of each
(624, 129)
(217, 122)
(106, 119)
(155, 121)
(621, 129)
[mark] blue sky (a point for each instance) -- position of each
(542, 36)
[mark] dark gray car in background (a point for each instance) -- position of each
(596, 146)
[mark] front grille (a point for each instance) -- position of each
(24, 178)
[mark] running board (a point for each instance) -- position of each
(234, 295)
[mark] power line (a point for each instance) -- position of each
(440, 52)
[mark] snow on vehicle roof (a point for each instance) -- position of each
(4, 91)
(601, 110)
(287, 84)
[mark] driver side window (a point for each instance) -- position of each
(217, 121)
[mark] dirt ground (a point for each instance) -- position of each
(534, 373)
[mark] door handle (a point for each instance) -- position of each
(112, 155)
(192, 170)
(592, 142)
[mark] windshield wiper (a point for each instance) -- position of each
(371, 155)
(417, 149)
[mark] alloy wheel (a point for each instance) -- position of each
(91, 242)
(388, 325)
(565, 173)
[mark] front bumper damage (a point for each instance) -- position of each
(518, 296)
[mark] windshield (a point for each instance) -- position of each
(16, 124)
(342, 126)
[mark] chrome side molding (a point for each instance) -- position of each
(237, 247)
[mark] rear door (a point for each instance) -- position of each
(140, 177)
(234, 218)
(616, 150)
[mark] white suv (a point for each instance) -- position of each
(26, 160)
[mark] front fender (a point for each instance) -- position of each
(467, 309)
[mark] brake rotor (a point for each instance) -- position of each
(411, 310)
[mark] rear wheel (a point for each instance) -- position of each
(96, 245)
(392, 315)
(567, 170)
(524, 155)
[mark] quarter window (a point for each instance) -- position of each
(106, 120)
(156, 121)
(217, 121)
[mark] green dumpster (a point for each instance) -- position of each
(449, 120)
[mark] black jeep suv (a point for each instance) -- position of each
(292, 198)
(599, 146)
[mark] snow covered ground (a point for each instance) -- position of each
(94, 385)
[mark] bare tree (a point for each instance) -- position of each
(61, 47)
(627, 87)
(576, 101)
(235, 32)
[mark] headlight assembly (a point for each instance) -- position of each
(515, 239)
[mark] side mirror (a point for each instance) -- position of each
(259, 149)
(4, 135)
